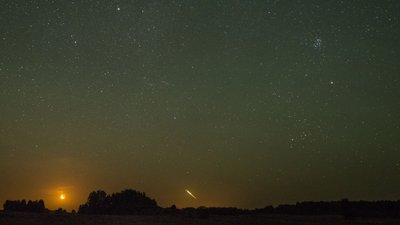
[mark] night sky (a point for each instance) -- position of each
(244, 103)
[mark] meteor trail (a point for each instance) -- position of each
(187, 191)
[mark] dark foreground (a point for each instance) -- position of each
(69, 219)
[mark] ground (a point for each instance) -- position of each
(54, 219)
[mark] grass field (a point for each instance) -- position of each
(54, 219)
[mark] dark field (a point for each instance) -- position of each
(54, 219)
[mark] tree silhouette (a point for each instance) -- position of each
(22, 206)
(125, 202)
(98, 202)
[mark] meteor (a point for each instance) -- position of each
(187, 191)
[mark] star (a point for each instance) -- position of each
(317, 43)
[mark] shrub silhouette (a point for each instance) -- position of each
(171, 210)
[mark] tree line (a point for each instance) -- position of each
(23, 206)
(343, 207)
(131, 202)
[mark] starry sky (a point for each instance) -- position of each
(244, 103)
